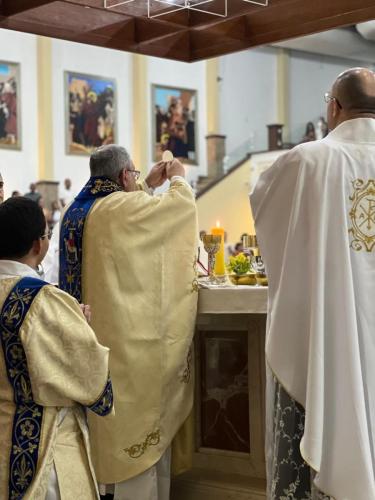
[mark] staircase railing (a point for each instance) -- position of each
(238, 154)
(231, 162)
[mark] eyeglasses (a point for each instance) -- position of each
(328, 97)
(47, 235)
(136, 173)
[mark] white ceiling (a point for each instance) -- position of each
(356, 43)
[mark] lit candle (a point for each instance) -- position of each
(219, 268)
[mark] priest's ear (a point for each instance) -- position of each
(333, 114)
(128, 178)
(122, 179)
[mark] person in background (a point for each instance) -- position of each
(67, 194)
(51, 366)
(309, 133)
(238, 248)
(47, 213)
(227, 247)
(15, 194)
(33, 193)
(56, 213)
(321, 129)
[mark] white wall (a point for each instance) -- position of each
(68, 56)
(311, 76)
(190, 76)
(248, 97)
(20, 167)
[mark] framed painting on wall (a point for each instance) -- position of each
(10, 117)
(91, 103)
(174, 123)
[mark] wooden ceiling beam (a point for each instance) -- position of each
(13, 7)
(175, 47)
(153, 29)
(188, 36)
(291, 19)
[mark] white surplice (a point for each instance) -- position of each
(314, 213)
(153, 484)
(50, 262)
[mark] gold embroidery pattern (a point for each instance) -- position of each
(104, 186)
(185, 378)
(137, 450)
(195, 284)
(28, 417)
(362, 215)
(104, 404)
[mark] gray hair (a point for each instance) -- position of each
(109, 161)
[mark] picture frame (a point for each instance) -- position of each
(174, 123)
(10, 105)
(90, 112)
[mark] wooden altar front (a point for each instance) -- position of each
(229, 458)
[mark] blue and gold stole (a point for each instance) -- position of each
(71, 235)
(27, 421)
(71, 243)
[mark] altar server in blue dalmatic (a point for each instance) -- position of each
(51, 367)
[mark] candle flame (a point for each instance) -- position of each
(217, 223)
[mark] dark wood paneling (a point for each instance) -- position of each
(12, 7)
(183, 35)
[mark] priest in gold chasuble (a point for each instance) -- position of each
(51, 367)
(131, 256)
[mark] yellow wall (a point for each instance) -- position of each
(228, 202)
(140, 114)
(45, 119)
(212, 96)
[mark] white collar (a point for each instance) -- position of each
(13, 269)
(358, 130)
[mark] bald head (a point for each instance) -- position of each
(354, 89)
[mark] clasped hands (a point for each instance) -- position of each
(162, 171)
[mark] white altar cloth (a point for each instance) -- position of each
(233, 300)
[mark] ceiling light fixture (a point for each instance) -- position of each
(110, 4)
(193, 5)
(158, 8)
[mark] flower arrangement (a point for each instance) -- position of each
(239, 264)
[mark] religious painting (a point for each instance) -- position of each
(90, 112)
(174, 123)
(10, 122)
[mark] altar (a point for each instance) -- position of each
(229, 411)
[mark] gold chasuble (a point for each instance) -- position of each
(138, 275)
(50, 367)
